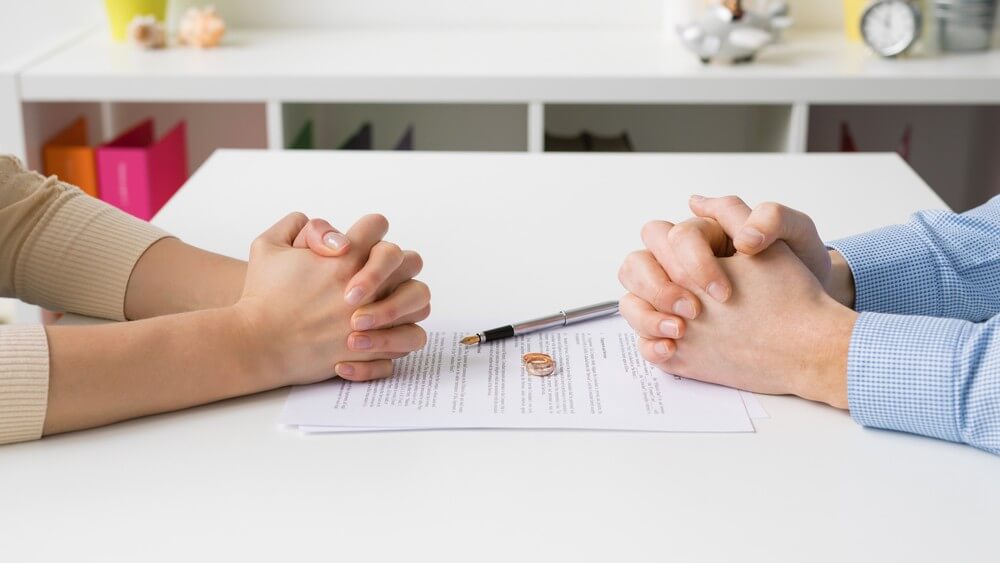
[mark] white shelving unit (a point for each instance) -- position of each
(493, 89)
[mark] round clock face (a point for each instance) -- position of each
(890, 27)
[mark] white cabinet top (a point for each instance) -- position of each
(379, 64)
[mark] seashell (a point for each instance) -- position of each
(146, 33)
(201, 27)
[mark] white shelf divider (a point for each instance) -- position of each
(536, 127)
(275, 125)
(798, 128)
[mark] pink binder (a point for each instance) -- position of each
(138, 175)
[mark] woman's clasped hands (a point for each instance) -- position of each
(317, 303)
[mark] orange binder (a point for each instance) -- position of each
(68, 156)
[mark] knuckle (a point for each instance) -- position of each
(424, 291)
(646, 229)
(623, 273)
(418, 262)
(297, 216)
(391, 250)
(769, 212)
(379, 219)
(731, 201)
(699, 273)
(770, 206)
(383, 341)
(257, 245)
(627, 306)
(652, 229)
(366, 278)
(683, 231)
(663, 298)
(420, 339)
(628, 267)
(389, 312)
(632, 259)
(630, 314)
(635, 257)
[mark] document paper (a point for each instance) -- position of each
(601, 382)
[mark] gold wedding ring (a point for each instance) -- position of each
(539, 364)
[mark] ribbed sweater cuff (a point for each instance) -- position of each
(85, 267)
(24, 382)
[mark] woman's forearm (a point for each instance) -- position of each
(106, 373)
(174, 277)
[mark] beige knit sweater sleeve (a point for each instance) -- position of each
(63, 250)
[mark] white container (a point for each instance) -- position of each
(965, 25)
(679, 12)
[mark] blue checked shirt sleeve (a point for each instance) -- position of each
(925, 352)
(927, 375)
(940, 264)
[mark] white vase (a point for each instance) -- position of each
(679, 12)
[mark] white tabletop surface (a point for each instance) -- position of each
(496, 65)
(225, 482)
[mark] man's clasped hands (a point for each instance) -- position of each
(748, 298)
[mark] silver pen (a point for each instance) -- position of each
(560, 319)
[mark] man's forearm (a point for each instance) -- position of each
(174, 277)
(841, 284)
(105, 373)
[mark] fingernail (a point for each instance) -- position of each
(669, 329)
(661, 348)
(354, 296)
(696, 197)
(361, 342)
(364, 322)
(685, 308)
(751, 237)
(718, 292)
(335, 241)
(344, 370)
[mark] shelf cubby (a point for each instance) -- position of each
(210, 126)
(952, 147)
(437, 126)
(680, 127)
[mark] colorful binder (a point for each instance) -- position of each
(361, 140)
(68, 156)
(304, 139)
(138, 174)
(405, 142)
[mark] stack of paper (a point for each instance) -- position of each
(601, 382)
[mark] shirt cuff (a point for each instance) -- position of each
(901, 373)
(82, 259)
(894, 272)
(24, 382)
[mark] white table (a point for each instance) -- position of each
(224, 482)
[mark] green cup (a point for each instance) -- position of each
(121, 12)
